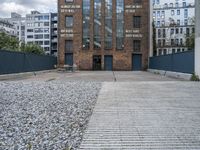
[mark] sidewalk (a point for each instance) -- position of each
(145, 115)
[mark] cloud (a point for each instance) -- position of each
(25, 6)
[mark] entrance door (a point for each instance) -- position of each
(137, 62)
(97, 62)
(108, 62)
(69, 59)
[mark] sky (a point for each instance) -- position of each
(25, 6)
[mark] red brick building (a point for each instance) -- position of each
(104, 34)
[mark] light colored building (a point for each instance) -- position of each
(174, 21)
(38, 30)
(19, 23)
(7, 27)
(41, 29)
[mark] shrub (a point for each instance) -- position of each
(194, 77)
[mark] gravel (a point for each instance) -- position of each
(45, 115)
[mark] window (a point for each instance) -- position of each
(68, 46)
(136, 45)
(69, 1)
(29, 30)
(172, 42)
(46, 23)
(164, 52)
(181, 30)
(178, 22)
(159, 43)
(46, 42)
(86, 24)
(172, 31)
(138, 2)
(137, 21)
(69, 21)
(178, 12)
(187, 32)
(177, 30)
(159, 33)
(177, 42)
(97, 24)
(172, 12)
(185, 13)
(164, 42)
(181, 41)
(46, 36)
(38, 36)
(38, 30)
(108, 24)
(120, 24)
(46, 17)
(29, 36)
(164, 33)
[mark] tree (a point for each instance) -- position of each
(32, 48)
(11, 43)
(190, 40)
(8, 42)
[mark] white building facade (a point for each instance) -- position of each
(7, 27)
(174, 22)
(19, 24)
(38, 30)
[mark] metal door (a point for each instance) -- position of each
(69, 59)
(108, 62)
(137, 62)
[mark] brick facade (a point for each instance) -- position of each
(122, 59)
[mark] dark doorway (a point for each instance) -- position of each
(137, 62)
(69, 59)
(108, 62)
(97, 62)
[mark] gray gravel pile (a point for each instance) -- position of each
(45, 115)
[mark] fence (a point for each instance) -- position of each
(16, 62)
(178, 62)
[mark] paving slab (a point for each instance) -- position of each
(145, 115)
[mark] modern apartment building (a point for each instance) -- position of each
(38, 28)
(174, 22)
(104, 34)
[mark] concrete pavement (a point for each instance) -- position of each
(145, 115)
(98, 76)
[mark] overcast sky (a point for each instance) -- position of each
(25, 6)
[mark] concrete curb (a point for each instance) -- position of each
(22, 75)
(179, 75)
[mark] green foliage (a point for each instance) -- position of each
(12, 43)
(195, 77)
(32, 48)
(190, 41)
(8, 42)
